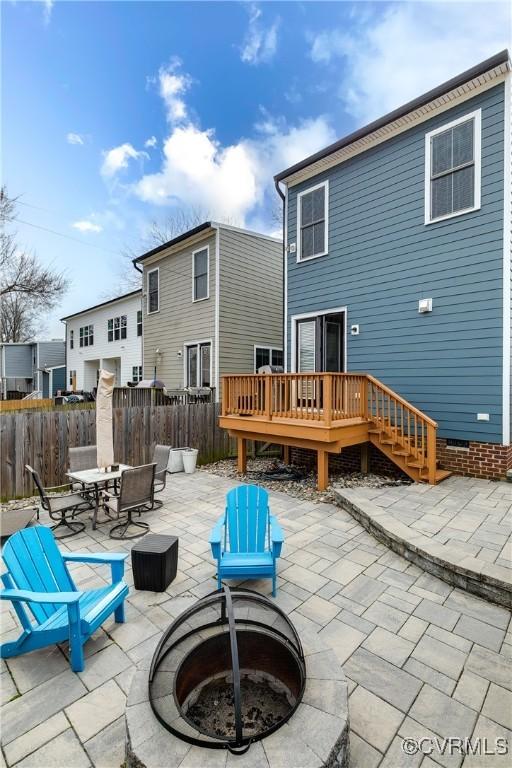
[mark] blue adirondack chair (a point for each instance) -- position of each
(247, 540)
(38, 579)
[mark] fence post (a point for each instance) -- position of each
(364, 397)
(225, 395)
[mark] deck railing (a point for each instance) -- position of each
(331, 398)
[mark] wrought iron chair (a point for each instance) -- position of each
(136, 494)
(62, 507)
(161, 459)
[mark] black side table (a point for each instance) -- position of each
(155, 562)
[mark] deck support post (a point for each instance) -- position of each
(365, 458)
(241, 455)
(323, 469)
(286, 454)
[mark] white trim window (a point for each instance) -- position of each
(267, 356)
(117, 328)
(198, 364)
(453, 167)
(153, 290)
(136, 373)
(87, 335)
(200, 274)
(71, 339)
(313, 222)
(139, 322)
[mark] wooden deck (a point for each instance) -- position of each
(326, 412)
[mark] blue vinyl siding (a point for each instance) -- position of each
(382, 259)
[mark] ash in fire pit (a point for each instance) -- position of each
(265, 704)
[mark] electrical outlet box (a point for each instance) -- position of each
(424, 305)
(292, 247)
(482, 417)
(354, 330)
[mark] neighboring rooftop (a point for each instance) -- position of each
(472, 78)
(103, 304)
(200, 230)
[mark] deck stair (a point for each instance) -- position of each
(327, 412)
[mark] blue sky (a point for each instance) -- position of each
(118, 113)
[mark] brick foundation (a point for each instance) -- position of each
(486, 460)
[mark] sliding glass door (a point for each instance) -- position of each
(320, 343)
(199, 365)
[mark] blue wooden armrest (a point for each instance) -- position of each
(95, 557)
(16, 595)
(276, 536)
(216, 537)
(114, 559)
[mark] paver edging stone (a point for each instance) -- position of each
(484, 580)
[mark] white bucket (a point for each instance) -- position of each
(189, 460)
(175, 463)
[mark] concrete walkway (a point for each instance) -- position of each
(424, 660)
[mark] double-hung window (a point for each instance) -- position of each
(153, 291)
(116, 328)
(312, 222)
(453, 168)
(139, 322)
(136, 373)
(87, 336)
(71, 339)
(267, 356)
(200, 274)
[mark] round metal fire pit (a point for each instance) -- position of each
(229, 671)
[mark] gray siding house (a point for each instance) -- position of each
(25, 367)
(212, 305)
(398, 261)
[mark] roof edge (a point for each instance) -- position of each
(102, 304)
(498, 59)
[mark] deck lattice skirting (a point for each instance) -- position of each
(447, 562)
(327, 412)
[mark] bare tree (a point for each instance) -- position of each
(160, 231)
(27, 288)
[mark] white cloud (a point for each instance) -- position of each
(151, 142)
(260, 43)
(85, 225)
(116, 159)
(74, 138)
(398, 54)
(173, 84)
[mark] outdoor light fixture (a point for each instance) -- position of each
(424, 305)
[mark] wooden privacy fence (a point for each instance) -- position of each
(22, 405)
(42, 439)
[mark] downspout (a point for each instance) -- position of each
(285, 277)
(142, 314)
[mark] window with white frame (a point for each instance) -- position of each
(72, 378)
(87, 336)
(117, 328)
(153, 291)
(71, 339)
(200, 274)
(267, 356)
(137, 373)
(312, 222)
(453, 168)
(139, 322)
(198, 365)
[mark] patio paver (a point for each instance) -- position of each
(421, 655)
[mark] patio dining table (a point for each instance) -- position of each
(96, 477)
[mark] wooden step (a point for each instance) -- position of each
(386, 441)
(441, 474)
(400, 451)
(416, 464)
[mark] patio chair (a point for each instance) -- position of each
(38, 582)
(161, 459)
(247, 539)
(136, 493)
(62, 507)
(80, 458)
